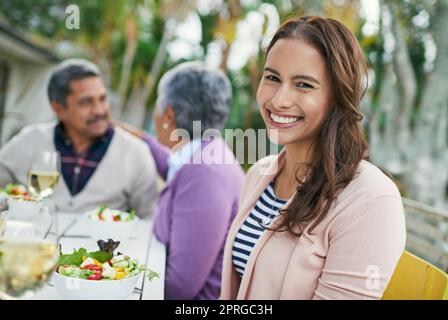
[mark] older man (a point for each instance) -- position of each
(100, 164)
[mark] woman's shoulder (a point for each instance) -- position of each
(265, 166)
(371, 179)
(370, 188)
(370, 202)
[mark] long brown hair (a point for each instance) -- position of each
(340, 145)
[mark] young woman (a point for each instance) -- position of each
(317, 221)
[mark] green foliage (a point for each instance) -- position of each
(103, 37)
(208, 24)
(45, 17)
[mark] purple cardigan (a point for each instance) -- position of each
(193, 214)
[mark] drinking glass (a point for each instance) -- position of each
(43, 173)
(29, 239)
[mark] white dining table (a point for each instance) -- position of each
(141, 245)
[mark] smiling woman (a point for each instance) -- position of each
(315, 220)
(292, 96)
(318, 97)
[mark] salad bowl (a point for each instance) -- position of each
(99, 275)
(82, 289)
(105, 223)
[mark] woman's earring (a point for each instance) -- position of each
(165, 126)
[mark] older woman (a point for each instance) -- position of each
(200, 199)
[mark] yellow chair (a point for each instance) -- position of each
(416, 279)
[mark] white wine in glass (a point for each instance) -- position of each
(25, 265)
(43, 174)
(42, 183)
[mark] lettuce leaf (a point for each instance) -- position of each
(108, 246)
(101, 256)
(73, 259)
(152, 274)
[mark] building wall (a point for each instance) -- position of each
(26, 96)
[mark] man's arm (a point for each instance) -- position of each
(12, 156)
(6, 176)
(159, 151)
(144, 184)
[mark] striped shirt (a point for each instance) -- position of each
(264, 211)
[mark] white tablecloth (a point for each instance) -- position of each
(143, 246)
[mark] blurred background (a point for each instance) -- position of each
(135, 41)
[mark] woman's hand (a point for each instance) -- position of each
(127, 127)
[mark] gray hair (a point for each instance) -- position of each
(196, 92)
(64, 73)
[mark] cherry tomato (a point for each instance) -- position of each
(95, 277)
(93, 267)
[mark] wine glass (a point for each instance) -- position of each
(29, 243)
(28, 247)
(25, 265)
(43, 173)
(43, 177)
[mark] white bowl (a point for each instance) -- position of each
(81, 289)
(103, 230)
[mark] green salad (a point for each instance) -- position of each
(14, 189)
(102, 264)
(103, 213)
